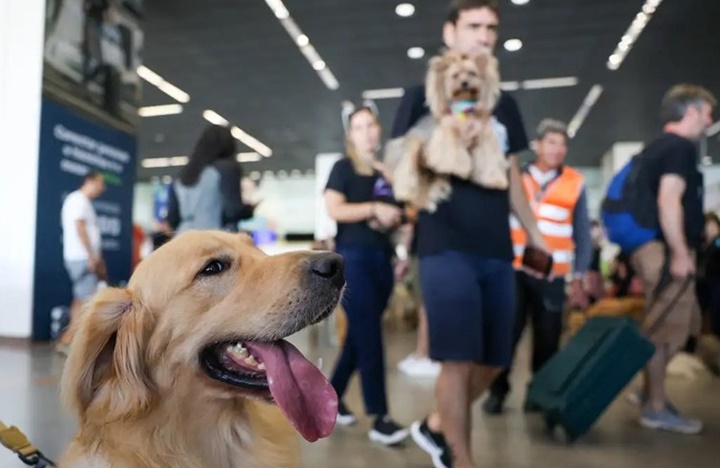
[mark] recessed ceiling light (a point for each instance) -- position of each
(520, 2)
(405, 9)
(416, 52)
(318, 65)
(303, 40)
(513, 45)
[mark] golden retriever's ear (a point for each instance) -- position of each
(435, 86)
(106, 365)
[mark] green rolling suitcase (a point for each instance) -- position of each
(581, 380)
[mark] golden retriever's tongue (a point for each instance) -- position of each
(299, 388)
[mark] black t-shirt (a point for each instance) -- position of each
(359, 188)
(475, 220)
(673, 154)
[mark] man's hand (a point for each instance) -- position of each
(388, 215)
(682, 265)
(96, 265)
(401, 269)
(578, 297)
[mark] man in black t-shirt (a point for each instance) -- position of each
(672, 167)
(466, 255)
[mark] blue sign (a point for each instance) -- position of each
(70, 147)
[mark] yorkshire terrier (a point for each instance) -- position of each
(462, 91)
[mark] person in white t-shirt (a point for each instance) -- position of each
(82, 246)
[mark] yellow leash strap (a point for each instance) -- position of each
(13, 438)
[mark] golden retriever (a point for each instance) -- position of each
(188, 366)
(462, 91)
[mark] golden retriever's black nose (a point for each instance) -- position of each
(329, 266)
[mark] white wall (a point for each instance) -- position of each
(21, 51)
(288, 204)
(325, 228)
(143, 206)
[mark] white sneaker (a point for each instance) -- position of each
(416, 366)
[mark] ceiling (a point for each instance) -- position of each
(234, 57)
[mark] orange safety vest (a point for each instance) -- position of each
(553, 211)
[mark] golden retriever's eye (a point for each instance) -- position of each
(213, 267)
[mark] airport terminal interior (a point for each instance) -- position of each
(300, 129)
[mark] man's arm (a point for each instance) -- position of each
(672, 188)
(521, 208)
(81, 227)
(581, 236)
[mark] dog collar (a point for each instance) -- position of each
(462, 107)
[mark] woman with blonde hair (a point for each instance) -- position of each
(359, 199)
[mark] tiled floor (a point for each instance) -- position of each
(28, 398)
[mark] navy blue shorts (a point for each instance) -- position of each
(470, 303)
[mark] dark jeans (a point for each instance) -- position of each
(369, 277)
(542, 303)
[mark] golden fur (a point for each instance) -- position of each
(133, 377)
(431, 153)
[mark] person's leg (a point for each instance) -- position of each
(674, 306)
(84, 286)
(455, 325)
(417, 364)
(421, 349)
(353, 305)
(453, 397)
(501, 325)
(501, 385)
(371, 358)
(547, 322)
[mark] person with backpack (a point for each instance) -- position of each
(654, 212)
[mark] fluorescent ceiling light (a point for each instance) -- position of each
(540, 83)
(156, 111)
(714, 128)
(520, 2)
(251, 156)
(215, 118)
(416, 52)
(584, 110)
(632, 34)
(544, 83)
(152, 163)
(251, 141)
(303, 43)
(239, 134)
(386, 93)
(405, 9)
(513, 45)
(163, 85)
